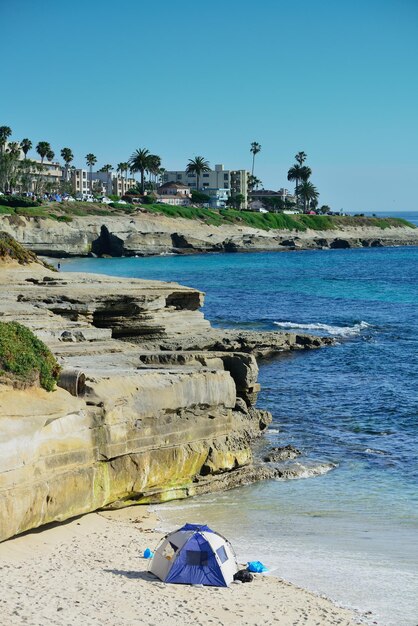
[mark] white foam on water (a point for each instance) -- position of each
(337, 331)
(297, 471)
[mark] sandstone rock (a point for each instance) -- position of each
(157, 420)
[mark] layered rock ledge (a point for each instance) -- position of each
(153, 405)
(148, 234)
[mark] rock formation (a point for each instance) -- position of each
(154, 403)
(148, 234)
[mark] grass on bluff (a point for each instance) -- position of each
(66, 211)
(24, 359)
(10, 249)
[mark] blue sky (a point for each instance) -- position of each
(335, 78)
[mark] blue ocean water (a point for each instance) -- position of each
(350, 533)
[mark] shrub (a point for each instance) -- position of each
(10, 249)
(149, 199)
(24, 358)
(18, 201)
(123, 207)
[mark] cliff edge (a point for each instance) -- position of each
(152, 404)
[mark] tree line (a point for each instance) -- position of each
(26, 174)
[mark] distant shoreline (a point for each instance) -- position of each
(150, 234)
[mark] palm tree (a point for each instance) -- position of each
(294, 173)
(126, 168)
(139, 163)
(67, 156)
(5, 132)
(197, 166)
(107, 168)
(253, 182)
(120, 168)
(91, 160)
(154, 164)
(308, 192)
(43, 149)
(298, 172)
(14, 149)
(50, 155)
(255, 149)
(301, 157)
(26, 145)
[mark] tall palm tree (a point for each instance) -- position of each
(301, 157)
(107, 168)
(5, 132)
(197, 166)
(294, 173)
(26, 145)
(154, 164)
(50, 155)
(255, 149)
(127, 169)
(139, 163)
(67, 156)
(91, 160)
(298, 173)
(43, 148)
(120, 168)
(14, 149)
(308, 192)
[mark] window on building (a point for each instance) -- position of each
(226, 176)
(205, 175)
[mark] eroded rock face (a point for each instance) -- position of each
(147, 234)
(166, 413)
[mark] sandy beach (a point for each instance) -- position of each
(90, 571)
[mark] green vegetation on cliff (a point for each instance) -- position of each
(10, 249)
(24, 359)
(65, 211)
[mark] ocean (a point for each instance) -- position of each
(350, 532)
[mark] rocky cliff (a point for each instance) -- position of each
(153, 403)
(147, 234)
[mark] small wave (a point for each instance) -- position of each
(297, 470)
(372, 451)
(340, 331)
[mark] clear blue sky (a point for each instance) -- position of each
(335, 78)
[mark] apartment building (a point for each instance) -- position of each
(112, 183)
(233, 181)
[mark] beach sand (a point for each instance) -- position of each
(90, 571)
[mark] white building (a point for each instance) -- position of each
(233, 181)
(111, 183)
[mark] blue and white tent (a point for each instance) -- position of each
(194, 555)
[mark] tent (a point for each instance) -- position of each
(194, 555)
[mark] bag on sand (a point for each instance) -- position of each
(244, 576)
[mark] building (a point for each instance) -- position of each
(174, 193)
(258, 196)
(233, 181)
(107, 183)
(218, 197)
(79, 180)
(44, 177)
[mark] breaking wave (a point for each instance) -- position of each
(297, 470)
(338, 331)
